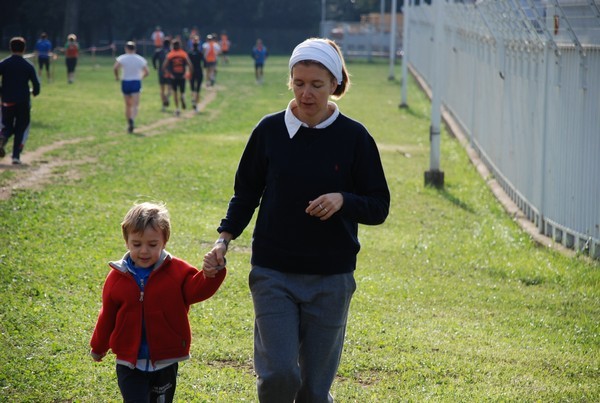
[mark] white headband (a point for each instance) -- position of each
(321, 51)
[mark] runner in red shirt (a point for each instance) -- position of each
(71, 56)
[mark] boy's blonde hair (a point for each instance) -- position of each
(144, 215)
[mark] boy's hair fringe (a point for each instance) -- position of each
(144, 215)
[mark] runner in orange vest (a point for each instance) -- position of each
(158, 37)
(211, 51)
(225, 44)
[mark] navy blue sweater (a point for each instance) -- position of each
(284, 175)
(16, 73)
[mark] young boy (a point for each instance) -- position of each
(145, 303)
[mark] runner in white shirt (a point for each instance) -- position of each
(134, 68)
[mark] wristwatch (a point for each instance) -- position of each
(223, 241)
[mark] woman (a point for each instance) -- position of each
(316, 175)
(71, 56)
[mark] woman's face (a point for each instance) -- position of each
(312, 85)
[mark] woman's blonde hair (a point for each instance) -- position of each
(344, 86)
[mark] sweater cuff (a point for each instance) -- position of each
(96, 356)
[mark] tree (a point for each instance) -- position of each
(108, 20)
(71, 23)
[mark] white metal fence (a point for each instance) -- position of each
(522, 79)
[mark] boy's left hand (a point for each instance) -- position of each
(211, 266)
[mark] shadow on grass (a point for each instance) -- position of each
(455, 200)
(36, 124)
(412, 112)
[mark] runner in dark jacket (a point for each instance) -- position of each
(16, 74)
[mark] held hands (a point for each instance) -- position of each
(214, 260)
(325, 205)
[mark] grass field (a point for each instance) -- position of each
(455, 303)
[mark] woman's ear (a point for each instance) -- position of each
(334, 86)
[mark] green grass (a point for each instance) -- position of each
(454, 302)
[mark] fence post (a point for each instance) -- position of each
(392, 38)
(435, 177)
(405, 41)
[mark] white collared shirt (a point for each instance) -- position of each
(293, 124)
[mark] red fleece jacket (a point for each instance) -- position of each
(164, 305)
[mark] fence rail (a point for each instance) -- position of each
(522, 79)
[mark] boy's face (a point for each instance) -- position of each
(145, 247)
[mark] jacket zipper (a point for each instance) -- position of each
(141, 290)
(142, 286)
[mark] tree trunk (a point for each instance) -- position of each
(71, 25)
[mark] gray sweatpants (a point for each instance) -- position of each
(299, 330)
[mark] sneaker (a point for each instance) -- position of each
(177, 112)
(16, 161)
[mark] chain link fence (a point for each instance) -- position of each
(521, 78)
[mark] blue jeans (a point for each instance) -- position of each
(147, 387)
(299, 330)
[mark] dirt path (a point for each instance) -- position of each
(37, 170)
